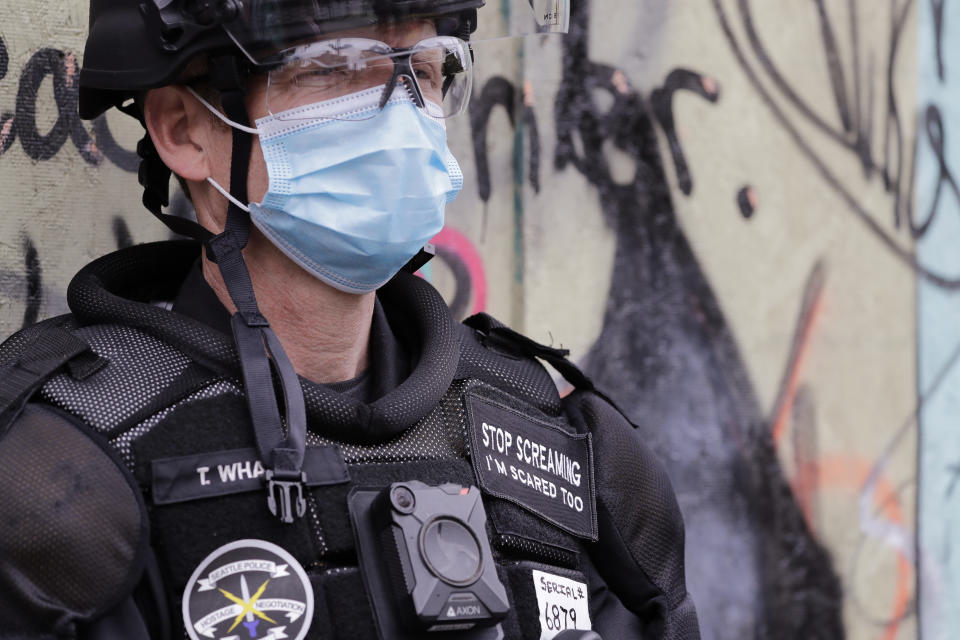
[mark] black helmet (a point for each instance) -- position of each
(133, 46)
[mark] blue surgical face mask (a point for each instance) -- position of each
(352, 198)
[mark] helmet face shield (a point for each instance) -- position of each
(518, 18)
(265, 28)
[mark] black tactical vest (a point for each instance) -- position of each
(131, 475)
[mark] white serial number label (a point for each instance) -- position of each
(563, 604)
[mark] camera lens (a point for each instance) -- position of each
(451, 551)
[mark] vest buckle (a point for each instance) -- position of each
(280, 497)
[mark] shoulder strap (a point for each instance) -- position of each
(495, 334)
(50, 350)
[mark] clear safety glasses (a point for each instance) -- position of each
(437, 73)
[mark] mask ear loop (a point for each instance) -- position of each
(269, 91)
(217, 113)
(226, 194)
(236, 125)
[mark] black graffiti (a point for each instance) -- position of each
(43, 147)
(937, 139)
(895, 171)
(4, 59)
(667, 355)
(586, 130)
(856, 134)
(126, 160)
(747, 201)
(62, 69)
(812, 293)
(30, 282)
(937, 6)
(7, 132)
(662, 102)
(121, 233)
(498, 91)
(34, 282)
(835, 67)
(533, 133)
(463, 285)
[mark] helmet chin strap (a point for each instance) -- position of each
(261, 355)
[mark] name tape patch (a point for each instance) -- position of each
(220, 473)
(563, 604)
(534, 464)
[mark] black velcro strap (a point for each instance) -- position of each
(292, 447)
(258, 382)
(284, 454)
(226, 248)
(425, 255)
(236, 109)
(499, 336)
(85, 364)
(51, 349)
(154, 177)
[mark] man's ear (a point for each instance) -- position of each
(181, 129)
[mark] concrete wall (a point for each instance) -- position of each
(741, 218)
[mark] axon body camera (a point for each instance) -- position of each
(427, 561)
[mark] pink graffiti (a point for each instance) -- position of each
(459, 244)
(70, 64)
(5, 132)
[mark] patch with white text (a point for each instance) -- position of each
(220, 473)
(562, 604)
(534, 464)
(245, 590)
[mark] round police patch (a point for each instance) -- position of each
(246, 590)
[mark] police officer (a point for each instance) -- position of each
(276, 431)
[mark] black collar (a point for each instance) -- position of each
(117, 288)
